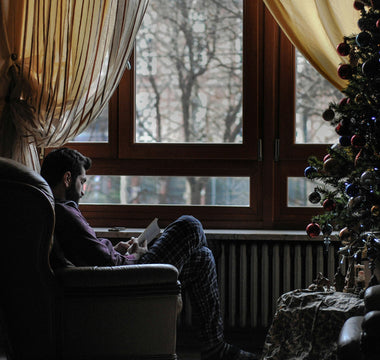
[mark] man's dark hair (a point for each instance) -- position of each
(61, 160)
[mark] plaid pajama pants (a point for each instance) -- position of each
(183, 244)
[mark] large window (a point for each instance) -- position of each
(216, 118)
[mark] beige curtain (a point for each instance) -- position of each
(316, 27)
(60, 62)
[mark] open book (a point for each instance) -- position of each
(150, 232)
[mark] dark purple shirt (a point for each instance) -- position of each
(78, 240)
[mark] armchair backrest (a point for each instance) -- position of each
(27, 281)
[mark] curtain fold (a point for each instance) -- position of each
(316, 27)
(60, 62)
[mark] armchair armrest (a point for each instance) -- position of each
(156, 275)
(370, 341)
(372, 298)
(133, 309)
(371, 323)
(349, 338)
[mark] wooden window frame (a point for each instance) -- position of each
(268, 111)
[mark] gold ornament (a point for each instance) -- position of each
(345, 235)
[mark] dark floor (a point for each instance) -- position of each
(188, 346)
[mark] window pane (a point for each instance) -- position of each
(299, 189)
(189, 72)
(167, 190)
(313, 95)
(97, 131)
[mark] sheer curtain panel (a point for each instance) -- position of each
(316, 27)
(60, 62)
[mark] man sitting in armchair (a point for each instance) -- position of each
(182, 244)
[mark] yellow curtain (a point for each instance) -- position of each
(60, 62)
(316, 27)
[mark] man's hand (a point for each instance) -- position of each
(122, 247)
(135, 248)
(131, 247)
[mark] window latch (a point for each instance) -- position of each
(276, 150)
(260, 150)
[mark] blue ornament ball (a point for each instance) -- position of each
(309, 171)
(352, 190)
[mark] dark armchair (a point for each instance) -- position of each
(126, 312)
(359, 338)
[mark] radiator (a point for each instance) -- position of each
(253, 274)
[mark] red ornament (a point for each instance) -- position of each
(358, 157)
(343, 49)
(378, 24)
(327, 156)
(358, 5)
(357, 141)
(313, 229)
(344, 101)
(342, 129)
(338, 129)
(329, 204)
(345, 71)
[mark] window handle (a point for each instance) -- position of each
(276, 149)
(260, 150)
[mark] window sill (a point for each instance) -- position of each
(211, 234)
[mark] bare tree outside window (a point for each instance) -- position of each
(313, 94)
(165, 190)
(189, 72)
(97, 131)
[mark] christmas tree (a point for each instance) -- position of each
(348, 177)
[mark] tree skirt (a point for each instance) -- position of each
(307, 324)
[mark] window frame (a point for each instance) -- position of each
(128, 149)
(268, 111)
(130, 158)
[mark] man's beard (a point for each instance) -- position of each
(72, 194)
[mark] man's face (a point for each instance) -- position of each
(76, 189)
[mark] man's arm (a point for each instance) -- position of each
(79, 242)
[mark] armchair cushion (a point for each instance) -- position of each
(350, 337)
(360, 336)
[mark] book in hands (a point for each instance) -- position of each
(150, 233)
